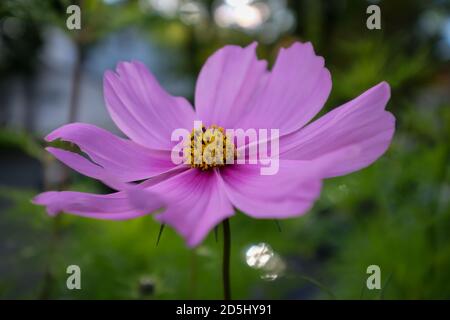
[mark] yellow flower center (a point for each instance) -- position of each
(210, 148)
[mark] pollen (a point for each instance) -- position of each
(210, 148)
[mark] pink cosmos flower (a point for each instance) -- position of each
(234, 90)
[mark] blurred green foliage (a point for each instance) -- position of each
(395, 214)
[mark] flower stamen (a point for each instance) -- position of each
(210, 148)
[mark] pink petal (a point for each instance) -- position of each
(293, 93)
(112, 157)
(360, 130)
(226, 84)
(86, 167)
(142, 109)
(290, 192)
(115, 206)
(196, 203)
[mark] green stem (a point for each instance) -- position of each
(226, 260)
(193, 275)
